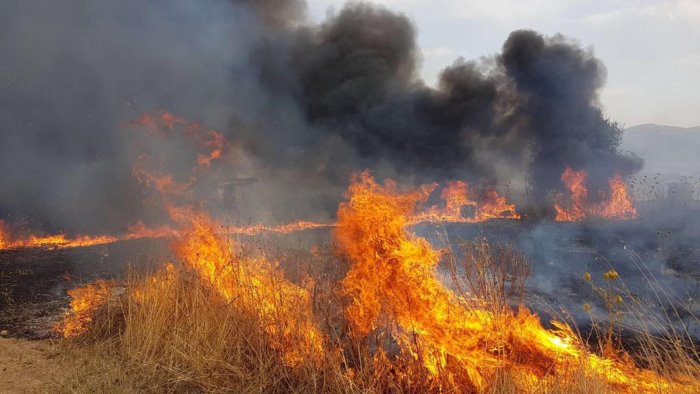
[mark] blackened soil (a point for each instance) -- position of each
(34, 282)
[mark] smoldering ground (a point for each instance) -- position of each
(654, 256)
(304, 104)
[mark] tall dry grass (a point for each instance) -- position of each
(183, 334)
(169, 331)
(658, 339)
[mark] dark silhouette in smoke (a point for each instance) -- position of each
(307, 104)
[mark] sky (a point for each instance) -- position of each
(651, 48)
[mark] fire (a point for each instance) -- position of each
(85, 301)
(63, 241)
(4, 236)
(55, 241)
(618, 205)
(460, 206)
(161, 123)
(575, 182)
(391, 285)
(495, 206)
(456, 199)
(255, 285)
(456, 196)
(287, 228)
(393, 278)
(140, 231)
(164, 124)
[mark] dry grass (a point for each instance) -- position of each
(169, 331)
(661, 341)
(182, 337)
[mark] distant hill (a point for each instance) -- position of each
(665, 149)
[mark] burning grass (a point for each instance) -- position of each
(183, 336)
(382, 321)
(618, 205)
(223, 318)
(176, 330)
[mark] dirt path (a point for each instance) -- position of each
(26, 366)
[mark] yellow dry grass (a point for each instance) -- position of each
(170, 331)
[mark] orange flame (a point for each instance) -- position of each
(287, 228)
(495, 206)
(63, 241)
(161, 125)
(4, 236)
(255, 285)
(393, 278)
(284, 309)
(163, 122)
(619, 205)
(456, 198)
(141, 231)
(85, 301)
(455, 195)
(56, 241)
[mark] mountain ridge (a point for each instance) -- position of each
(654, 127)
(665, 149)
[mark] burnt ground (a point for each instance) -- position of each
(657, 258)
(34, 282)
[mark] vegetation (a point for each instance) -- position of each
(171, 331)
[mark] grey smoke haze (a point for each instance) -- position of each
(677, 155)
(655, 256)
(305, 104)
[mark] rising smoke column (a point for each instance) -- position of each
(535, 104)
(541, 93)
(308, 104)
(558, 83)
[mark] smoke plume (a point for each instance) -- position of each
(304, 105)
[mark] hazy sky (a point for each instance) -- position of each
(651, 48)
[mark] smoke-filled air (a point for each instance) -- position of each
(237, 196)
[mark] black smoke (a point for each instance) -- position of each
(557, 83)
(535, 104)
(307, 104)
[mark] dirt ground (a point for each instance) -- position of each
(27, 366)
(55, 366)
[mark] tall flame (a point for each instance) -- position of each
(457, 199)
(393, 278)
(256, 285)
(618, 205)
